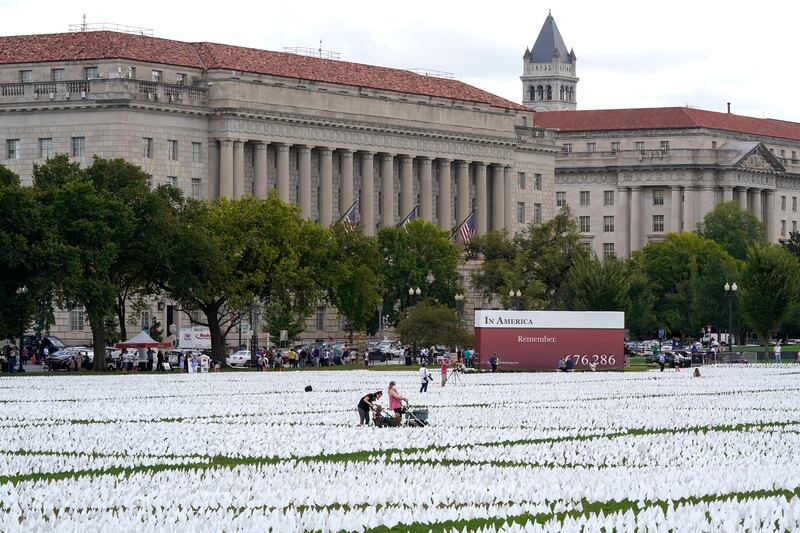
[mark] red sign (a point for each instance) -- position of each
(537, 340)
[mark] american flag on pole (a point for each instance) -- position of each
(413, 215)
(467, 228)
(350, 217)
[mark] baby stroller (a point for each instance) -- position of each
(409, 418)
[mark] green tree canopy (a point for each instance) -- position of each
(770, 283)
(733, 228)
(594, 285)
(687, 274)
(429, 323)
(418, 255)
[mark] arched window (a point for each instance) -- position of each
(540, 90)
(549, 92)
(531, 93)
(572, 94)
(563, 92)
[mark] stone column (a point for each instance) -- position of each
(508, 208)
(636, 218)
(757, 206)
(346, 191)
(387, 190)
(621, 224)
(260, 183)
(406, 185)
(238, 169)
(727, 194)
(445, 217)
(304, 185)
(462, 184)
(325, 186)
(742, 192)
(675, 201)
(689, 208)
(282, 162)
(226, 168)
(498, 197)
(480, 197)
(425, 189)
(706, 201)
(368, 193)
(769, 215)
(213, 169)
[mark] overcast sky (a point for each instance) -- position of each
(630, 54)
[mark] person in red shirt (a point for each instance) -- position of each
(444, 369)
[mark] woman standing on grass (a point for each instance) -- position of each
(445, 359)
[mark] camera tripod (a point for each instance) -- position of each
(454, 377)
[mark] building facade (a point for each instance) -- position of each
(219, 120)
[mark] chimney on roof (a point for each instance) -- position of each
(729, 108)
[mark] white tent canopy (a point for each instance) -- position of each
(142, 340)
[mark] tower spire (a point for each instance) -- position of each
(549, 77)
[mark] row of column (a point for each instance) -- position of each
(226, 163)
(689, 205)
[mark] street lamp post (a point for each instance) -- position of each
(730, 293)
(413, 295)
(459, 306)
(515, 296)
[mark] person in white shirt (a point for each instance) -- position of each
(778, 359)
(424, 378)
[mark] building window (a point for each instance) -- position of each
(615, 147)
(196, 188)
(658, 223)
(25, 76)
(783, 154)
(521, 180)
(12, 149)
(783, 228)
(320, 318)
(76, 320)
(537, 182)
(147, 319)
(147, 147)
(149, 181)
(561, 198)
(78, 146)
(608, 198)
(57, 74)
(783, 203)
(172, 150)
(794, 203)
(586, 246)
(196, 147)
(639, 145)
(585, 224)
(567, 147)
(608, 224)
(172, 180)
(156, 76)
(90, 73)
(794, 156)
(665, 146)
(794, 226)
(45, 148)
(591, 147)
(537, 213)
(584, 198)
(520, 212)
(180, 78)
(658, 196)
(608, 251)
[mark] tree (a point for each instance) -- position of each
(733, 228)
(496, 272)
(640, 317)
(225, 255)
(770, 283)
(793, 243)
(417, 255)
(352, 276)
(429, 323)
(594, 285)
(687, 273)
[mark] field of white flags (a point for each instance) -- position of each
(252, 451)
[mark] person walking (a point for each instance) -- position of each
(160, 361)
(661, 360)
(424, 378)
(150, 354)
(777, 351)
(493, 361)
(365, 405)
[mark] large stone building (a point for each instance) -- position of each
(549, 75)
(220, 120)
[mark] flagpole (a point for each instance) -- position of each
(408, 215)
(462, 223)
(348, 210)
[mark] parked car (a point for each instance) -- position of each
(51, 342)
(239, 359)
(66, 360)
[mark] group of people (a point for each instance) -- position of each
(368, 404)
(278, 359)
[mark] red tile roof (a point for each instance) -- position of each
(661, 118)
(98, 45)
